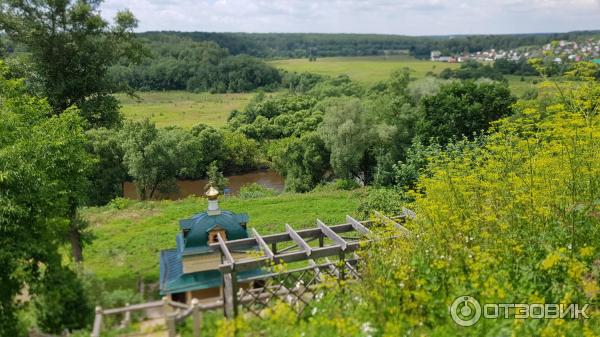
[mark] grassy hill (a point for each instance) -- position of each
(129, 234)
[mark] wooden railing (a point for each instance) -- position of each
(173, 313)
(232, 296)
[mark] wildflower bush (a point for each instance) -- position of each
(515, 220)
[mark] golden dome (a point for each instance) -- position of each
(212, 193)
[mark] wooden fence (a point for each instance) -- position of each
(173, 313)
(297, 286)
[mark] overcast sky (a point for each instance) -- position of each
(423, 17)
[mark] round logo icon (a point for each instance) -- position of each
(465, 311)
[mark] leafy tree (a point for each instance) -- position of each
(463, 108)
(216, 178)
(41, 162)
(473, 70)
(338, 86)
(346, 133)
(155, 158)
(300, 82)
(108, 173)
(303, 161)
(71, 48)
(62, 302)
(520, 67)
(211, 148)
(240, 153)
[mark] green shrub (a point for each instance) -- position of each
(255, 190)
(386, 200)
(346, 184)
(120, 203)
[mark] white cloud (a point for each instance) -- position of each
(426, 17)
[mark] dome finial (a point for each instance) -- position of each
(212, 193)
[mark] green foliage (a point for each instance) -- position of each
(346, 134)
(385, 200)
(240, 153)
(108, 173)
(155, 157)
(303, 45)
(520, 67)
(408, 171)
(300, 82)
(513, 220)
(182, 64)
(120, 203)
(255, 190)
(303, 161)
(216, 178)
(346, 184)
(276, 117)
(473, 70)
(43, 165)
(61, 302)
(463, 108)
(339, 86)
(70, 60)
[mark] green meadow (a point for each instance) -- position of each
(182, 108)
(186, 109)
(128, 235)
(365, 70)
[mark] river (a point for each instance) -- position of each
(266, 178)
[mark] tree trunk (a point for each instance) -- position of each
(75, 238)
(75, 234)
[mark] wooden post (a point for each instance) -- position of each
(342, 268)
(166, 309)
(97, 322)
(171, 325)
(230, 294)
(196, 317)
(127, 319)
(321, 240)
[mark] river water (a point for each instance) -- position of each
(266, 178)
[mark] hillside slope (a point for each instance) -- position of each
(129, 235)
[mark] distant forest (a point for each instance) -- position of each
(234, 62)
(296, 45)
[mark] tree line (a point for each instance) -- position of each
(178, 63)
(300, 45)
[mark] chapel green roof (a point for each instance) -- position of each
(173, 280)
(200, 224)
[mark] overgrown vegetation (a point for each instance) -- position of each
(512, 218)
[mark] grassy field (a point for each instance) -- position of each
(518, 87)
(181, 108)
(128, 239)
(185, 109)
(365, 70)
(370, 70)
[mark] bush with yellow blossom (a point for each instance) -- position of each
(516, 220)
